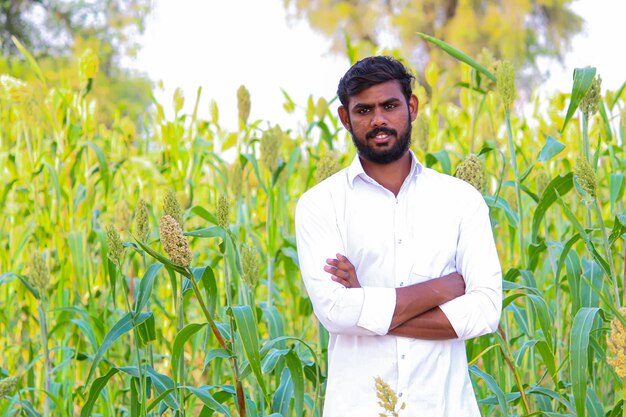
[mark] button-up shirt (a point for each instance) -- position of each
(436, 225)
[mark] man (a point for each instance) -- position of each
(398, 260)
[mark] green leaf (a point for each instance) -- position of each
(246, 327)
(123, 326)
(165, 261)
(559, 186)
(543, 314)
(178, 348)
(493, 386)
(511, 216)
(31, 60)
(616, 188)
(163, 385)
(282, 396)
(147, 330)
(103, 165)
(215, 353)
(579, 347)
(97, 386)
(297, 376)
(619, 228)
(204, 213)
(455, 53)
(145, 287)
(583, 77)
(443, 158)
(212, 231)
(206, 276)
(255, 166)
(271, 359)
(550, 149)
(207, 399)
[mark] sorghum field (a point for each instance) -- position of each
(148, 267)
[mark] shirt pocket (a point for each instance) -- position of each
(433, 256)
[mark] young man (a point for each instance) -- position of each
(398, 260)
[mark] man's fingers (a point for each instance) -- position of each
(340, 281)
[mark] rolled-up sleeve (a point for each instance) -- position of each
(478, 311)
(354, 311)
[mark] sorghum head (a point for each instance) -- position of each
(115, 244)
(174, 243)
(223, 212)
(420, 132)
(122, 216)
(505, 76)
(591, 101)
(471, 171)
(171, 206)
(616, 345)
(235, 179)
(249, 265)
(270, 147)
(243, 104)
(7, 386)
(585, 176)
(88, 64)
(39, 273)
(178, 100)
(327, 166)
(142, 221)
(387, 398)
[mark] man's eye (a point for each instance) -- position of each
(391, 106)
(363, 111)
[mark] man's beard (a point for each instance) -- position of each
(377, 156)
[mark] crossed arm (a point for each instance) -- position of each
(417, 313)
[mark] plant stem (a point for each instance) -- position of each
(43, 325)
(241, 404)
(270, 227)
(520, 229)
(607, 249)
(507, 354)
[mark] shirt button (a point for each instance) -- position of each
(400, 395)
(402, 284)
(399, 241)
(402, 357)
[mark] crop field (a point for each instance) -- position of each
(149, 267)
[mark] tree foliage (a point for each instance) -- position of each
(53, 27)
(520, 31)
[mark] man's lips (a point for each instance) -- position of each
(380, 135)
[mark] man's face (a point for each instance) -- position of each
(379, 119)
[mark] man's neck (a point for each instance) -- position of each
(391, 175)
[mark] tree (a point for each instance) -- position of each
(53, 27)
(520, 31)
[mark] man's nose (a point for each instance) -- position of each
(378, 117)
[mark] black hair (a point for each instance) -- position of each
(372, 71)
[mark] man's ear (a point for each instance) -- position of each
(413, 106)
(343, 116)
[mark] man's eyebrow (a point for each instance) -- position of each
(391, 100)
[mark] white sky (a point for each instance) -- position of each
(220, 45)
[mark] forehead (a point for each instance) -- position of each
(377, 93)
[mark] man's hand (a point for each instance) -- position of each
(342, 271)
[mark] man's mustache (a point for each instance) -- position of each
(376, 131)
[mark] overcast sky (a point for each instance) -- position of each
(220, 45)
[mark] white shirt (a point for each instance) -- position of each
(435, 226)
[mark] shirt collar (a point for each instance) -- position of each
(356, 168)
